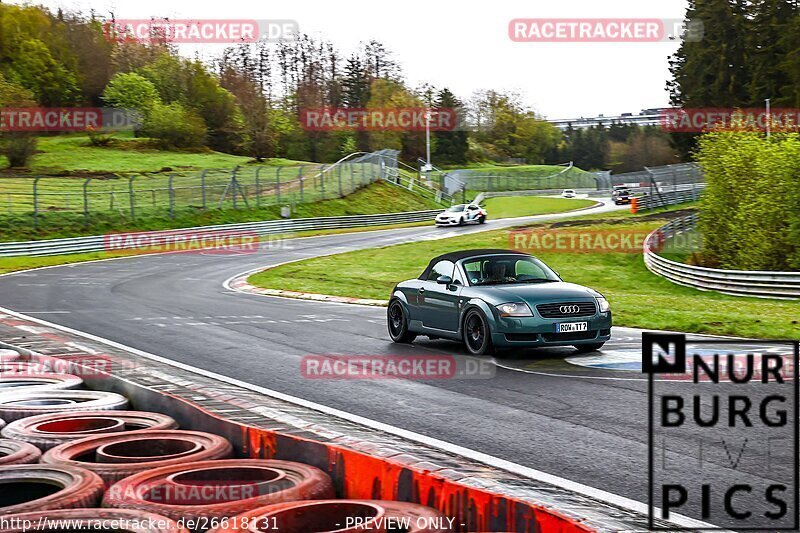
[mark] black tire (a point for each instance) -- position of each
(476, 333)
(586, 348)
(397, 321)
(461, 221)
(481, 220)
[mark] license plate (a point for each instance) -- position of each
(571, 327)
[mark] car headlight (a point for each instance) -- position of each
(602, 304)
(514, 309)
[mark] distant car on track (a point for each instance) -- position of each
(461, 214)
(569, 193)
(621, 196)
(497, 299)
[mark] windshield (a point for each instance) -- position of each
(455, 208)
(507, 269)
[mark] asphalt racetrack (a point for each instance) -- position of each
(584, 422)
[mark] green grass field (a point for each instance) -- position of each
(638, 297)
(520, 206)
(85, 189)
(74, 153)
(12, 264)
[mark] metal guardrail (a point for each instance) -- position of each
(758, 283)
(97, 243)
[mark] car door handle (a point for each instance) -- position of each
(422, 289)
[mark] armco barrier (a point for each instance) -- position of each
(763, 284)
(95, 243)
(364, 462)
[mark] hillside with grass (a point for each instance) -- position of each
(74, 154)
(378, 197)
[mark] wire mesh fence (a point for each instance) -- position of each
(50, 200)
(664, 185)
(519, 179)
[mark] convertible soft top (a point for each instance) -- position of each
(463, 254)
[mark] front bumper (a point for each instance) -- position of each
(448, 222)
(537, 331)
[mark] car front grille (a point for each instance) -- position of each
(522, 337)
(566, 309)
(574, 336)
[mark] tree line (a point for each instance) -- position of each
(750, 51)
(248, 100)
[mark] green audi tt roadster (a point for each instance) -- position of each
(497, 299)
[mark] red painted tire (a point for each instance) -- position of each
(332, 515)
(7, 356)
(34, 381)
(14, 452)
(203, 491)
(28, 488)
(16, 405)
(92, 520)
(50, 430)
(117, 455)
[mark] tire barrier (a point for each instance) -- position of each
(28, 488)
(22, 367)
(8, 356)
(14, 452)
(118, 455)
(197, 492)
(123, 520)
(30, 381)
(341, 516)
(50, 430)
(16, 405)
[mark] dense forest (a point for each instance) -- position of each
(750, 51)
(248, 99)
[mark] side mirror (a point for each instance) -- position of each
(444, 280)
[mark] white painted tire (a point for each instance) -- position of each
(9, 356)
(32, 381)
(16, 405)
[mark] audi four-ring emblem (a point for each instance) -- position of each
(569, 309)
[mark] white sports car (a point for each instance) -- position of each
(461, 214)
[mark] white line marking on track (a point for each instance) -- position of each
(468, 453)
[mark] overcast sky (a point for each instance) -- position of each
(464, 44)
